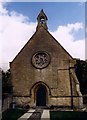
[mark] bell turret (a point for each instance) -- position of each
(42, 20)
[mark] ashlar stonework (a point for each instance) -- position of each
(43, 72)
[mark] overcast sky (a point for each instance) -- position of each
(66, 22)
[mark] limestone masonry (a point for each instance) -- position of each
(43, 72)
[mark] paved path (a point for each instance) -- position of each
(45, 115)
(36, 114)
(27, 115)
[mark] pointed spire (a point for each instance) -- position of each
(42, 14)
(42, 20)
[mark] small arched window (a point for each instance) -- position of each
(42, 20)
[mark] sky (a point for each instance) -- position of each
(18, 21)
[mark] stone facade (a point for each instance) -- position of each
(44, 62)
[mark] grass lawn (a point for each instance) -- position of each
(68, 115)
(13, 114)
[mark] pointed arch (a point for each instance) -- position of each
(40, 83)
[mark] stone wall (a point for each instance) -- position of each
(56, 75)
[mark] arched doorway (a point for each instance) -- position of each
(41, 95)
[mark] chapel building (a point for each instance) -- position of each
(43, 72)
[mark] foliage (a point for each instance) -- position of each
(6, 83)
(13, 114)
(68, 115)
(81, 72)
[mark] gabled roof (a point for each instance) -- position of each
(60, 45)
(34, 36)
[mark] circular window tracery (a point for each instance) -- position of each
(40, 59)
